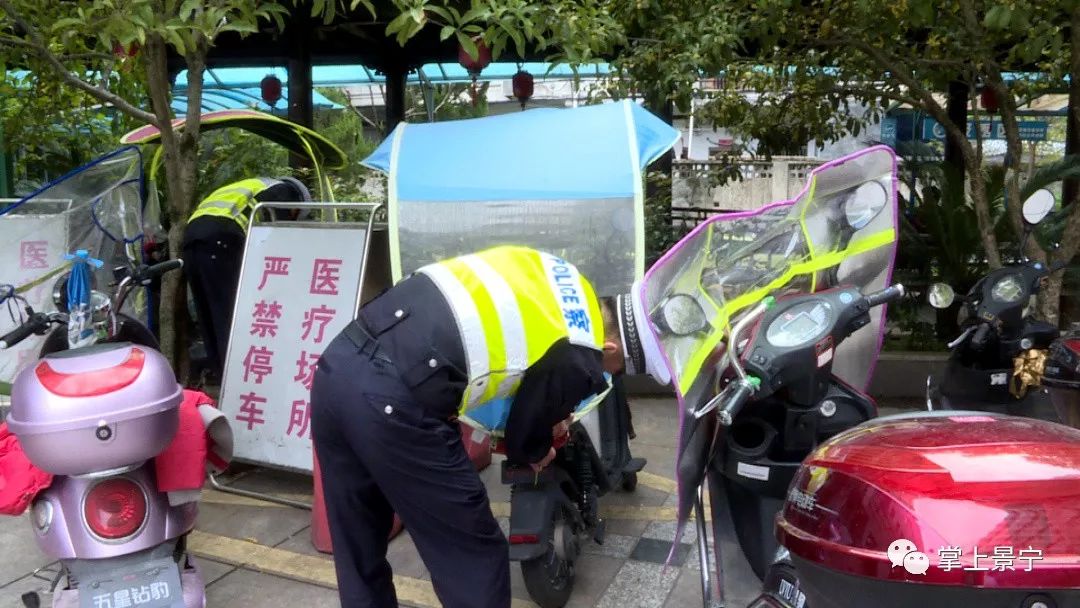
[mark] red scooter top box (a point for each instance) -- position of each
(943, 498)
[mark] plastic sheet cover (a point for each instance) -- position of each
(732, 261)
(841, 230)
(97, 207)
(565, 181)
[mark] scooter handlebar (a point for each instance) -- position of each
(149, 273)
(37, 323)
(737, 399)
(889, 294)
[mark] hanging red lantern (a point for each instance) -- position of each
(477, 65)
(989, 99)
(123, 53)
(271, 89)
(523, 86)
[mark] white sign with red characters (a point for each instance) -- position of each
(34, 245)
(299, 288)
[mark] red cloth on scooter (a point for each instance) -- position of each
(20, 480)
(182, 466)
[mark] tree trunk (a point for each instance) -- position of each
(1050, 298)
(1071, 187)
(977, 181)
(180, 151)
(173, 313)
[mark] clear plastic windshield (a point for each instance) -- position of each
(98, 208)
(840, 230)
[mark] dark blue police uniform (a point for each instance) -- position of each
(384, 403)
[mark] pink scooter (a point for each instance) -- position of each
(95, 417)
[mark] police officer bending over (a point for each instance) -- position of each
(508, 321)
(214, 247)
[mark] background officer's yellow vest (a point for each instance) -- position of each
(511, 304)
(234, 201)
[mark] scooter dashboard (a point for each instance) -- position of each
(799, 324)
(798, 337)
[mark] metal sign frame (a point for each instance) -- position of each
(373, 209)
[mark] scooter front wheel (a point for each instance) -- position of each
(549, 578)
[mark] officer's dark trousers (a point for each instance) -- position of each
(381, 452)
(213, 251)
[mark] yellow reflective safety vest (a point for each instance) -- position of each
(511, 304)
(234, 201)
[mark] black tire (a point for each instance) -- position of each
(629, 482)
(549, 579)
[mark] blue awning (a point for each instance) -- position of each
(588, 152)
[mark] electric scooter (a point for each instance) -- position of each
(874, 500)
(554, 511)
(861, 518)
(95, 416)
(999, 337)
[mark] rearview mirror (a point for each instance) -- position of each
(1038, 206)
(865, 204)
(680, 314)
(941, 295)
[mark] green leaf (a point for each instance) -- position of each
(69, 23)
(924, 10)
(243, 27)
(397, 24)
(467, 44)
(367, 4)
(498, 46)
(446, 32)
(1066, 168)
(188, 8)
(997, 18)
(176, 41)
(476, 13)
(442, 12)
(318, 8)
(519, 40)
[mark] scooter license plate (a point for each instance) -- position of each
(155, 584)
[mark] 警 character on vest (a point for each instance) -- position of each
(214, 248)
(508, 322)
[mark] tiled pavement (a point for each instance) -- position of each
(254, 553)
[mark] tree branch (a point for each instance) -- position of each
(363, 117)
(925, 97)
(39, 48)
(19, 42)
(857, 92)
(196, 64)
(1070, 238)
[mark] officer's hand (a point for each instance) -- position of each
(537, 466)
(561, 429)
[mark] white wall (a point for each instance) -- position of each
(705, 136)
